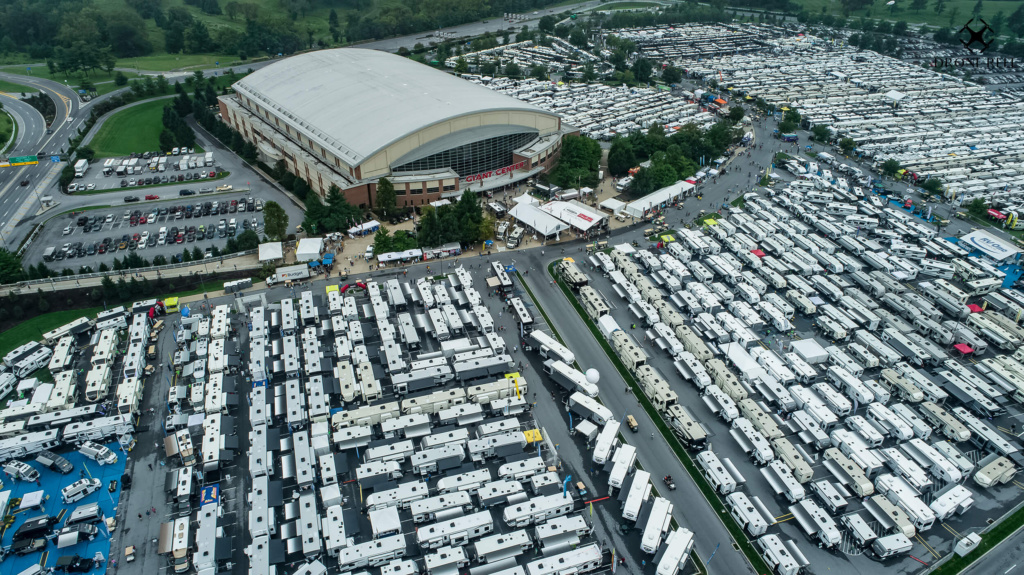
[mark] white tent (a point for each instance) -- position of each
(532, 216)
(361, 229)
(309, 249)
(573, 214)
(526, 199)
(653, 200)
(271, 251)
(612, 205)
(995, 248)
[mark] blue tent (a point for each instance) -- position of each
(328, 259)
(314, 263)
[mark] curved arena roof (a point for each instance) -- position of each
(357, 101)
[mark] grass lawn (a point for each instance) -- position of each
(167, 62)
(11, 88)
(34, 328)
(882, 12)
(43, 72)
(135, 129)
(7, 127)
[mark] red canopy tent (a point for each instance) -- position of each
(964, 349)
(757, 253)
(997, 214)
(975, 308)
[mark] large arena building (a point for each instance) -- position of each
(349, 117)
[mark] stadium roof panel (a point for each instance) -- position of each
(358, 101)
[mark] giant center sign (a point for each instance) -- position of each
(498, 172)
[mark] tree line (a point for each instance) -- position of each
(673, 157)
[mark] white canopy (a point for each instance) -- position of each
(996, 248)
(309, 249)
(612, 205)
(271, 251)
(655, 199)
(532, 216)
(440, 203)
(370, 226)
(31, 500)
(526, 199)
(573, 215)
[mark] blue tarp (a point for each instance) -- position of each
(328, 259)
(51, 483)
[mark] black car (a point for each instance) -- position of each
(26, 546)
(131, 199)
(54, 462)
(91, 250)
(73, 564)
(186, 192)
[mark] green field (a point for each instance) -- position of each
(12, 88)
(135, 129)
(928, 16)
(7, 127)
(33, 329)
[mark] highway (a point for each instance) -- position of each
(15, 199)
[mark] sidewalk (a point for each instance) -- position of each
(204, 268)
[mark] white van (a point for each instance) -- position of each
(21, 470)
(99, 453)
(79, 490)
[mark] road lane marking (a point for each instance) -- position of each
(1010, 569)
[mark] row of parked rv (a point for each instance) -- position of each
(693, 41)
(561, 56)
(934, 125)
(602, 111)
(44, 423)
(900, 425)
(399, 400)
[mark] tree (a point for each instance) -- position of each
(847, 145)
(382, 241)
(642, 70)
(197, 254)
(932, 185)
(890, 167)
(512, 70)
(672, 75)
(578, 38)
(10, 267)
(386, 200)
(918, 5)
(120, 79)
(820, 133)
(977, 9)
(589, 73)
(275, 220)
(787, 126)
(953, 14)
(736, 114)
(539, 72)
(977, 207)
(940, 6)
(1016, 21)
(547, 23)
(621, 157)
(461, 66)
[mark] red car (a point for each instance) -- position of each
(152, 197)
(142, 220)
(213, 174)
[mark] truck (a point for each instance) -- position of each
(209, 158)
(289, 274)
(81, 167)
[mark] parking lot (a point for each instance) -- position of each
(105, 234)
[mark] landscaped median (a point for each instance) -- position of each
(666, 431)
(993, 537)
(694, 557)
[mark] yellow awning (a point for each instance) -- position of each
(331, 288)
(785, 109)
(710, 222)
(533, 435)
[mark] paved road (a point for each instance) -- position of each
(691, 509)
(1006, 559)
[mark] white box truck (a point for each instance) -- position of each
(81, 167)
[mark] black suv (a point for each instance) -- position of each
(131, 199)
(186, 192)
(54, 462)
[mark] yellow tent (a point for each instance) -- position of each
(668, 238)
(785, 109)
(710, 222)
(331, 288)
